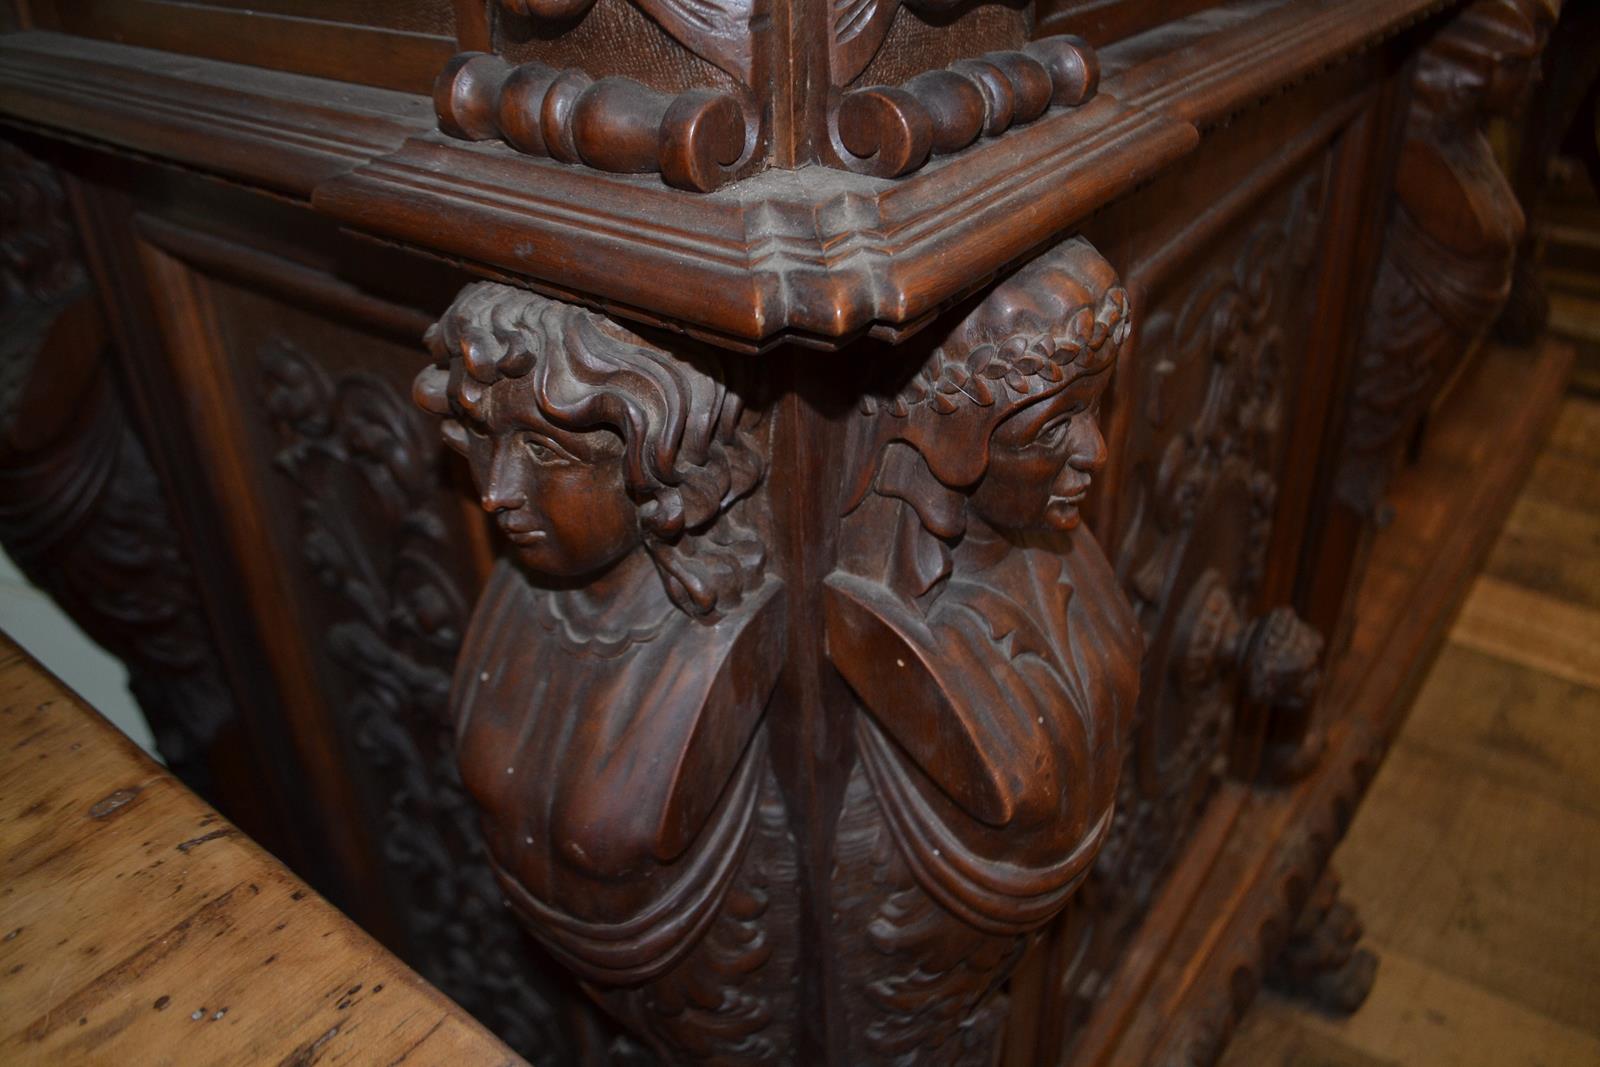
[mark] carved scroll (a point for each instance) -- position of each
(1452, 238)
(695, 140)
(81, 509)
(892, 130)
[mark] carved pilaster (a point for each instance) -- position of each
(1452, 238)
(614, 707)
(81, 510)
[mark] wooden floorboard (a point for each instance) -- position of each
(1475, 860)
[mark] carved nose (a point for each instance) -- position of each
(1088, 446)
(503, 489)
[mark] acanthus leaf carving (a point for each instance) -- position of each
(717, 30)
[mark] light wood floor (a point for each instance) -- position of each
(1475, 859)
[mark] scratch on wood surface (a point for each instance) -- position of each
(418, 1043)
(310, 1052)
(196, 842)
(131, 968)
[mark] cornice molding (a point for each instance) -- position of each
(816, 255)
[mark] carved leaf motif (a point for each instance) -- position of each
(373, 537)
(718, 30)
(859, 27)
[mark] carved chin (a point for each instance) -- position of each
(1062, 513)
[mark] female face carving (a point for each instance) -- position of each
(1043, 458)
(558, 496)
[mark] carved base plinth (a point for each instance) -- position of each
(1323, 963)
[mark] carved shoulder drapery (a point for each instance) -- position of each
(613, 700)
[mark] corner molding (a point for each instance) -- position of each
(816, 255)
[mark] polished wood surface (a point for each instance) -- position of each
(142, 927)
(1473, 860)
(898, 600)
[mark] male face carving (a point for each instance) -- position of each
(1043, 458)
(558, 496)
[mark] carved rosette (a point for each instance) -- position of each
(1452, 238)
(614, 701)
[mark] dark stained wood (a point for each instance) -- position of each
(1484, 963)
(1175, 989)
(898, 603)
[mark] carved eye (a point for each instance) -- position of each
(541, 452)
(1055, 435)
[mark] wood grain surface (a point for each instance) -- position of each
(139, 926)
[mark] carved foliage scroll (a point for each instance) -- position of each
(373, 535)
(1452, 237)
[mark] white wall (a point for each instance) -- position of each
(33, 621)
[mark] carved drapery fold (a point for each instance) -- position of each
(612, 700)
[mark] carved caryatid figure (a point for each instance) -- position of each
(1453, 236)
(611, 687)
(986, 635)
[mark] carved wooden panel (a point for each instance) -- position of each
(1202, 453)
(360, 548)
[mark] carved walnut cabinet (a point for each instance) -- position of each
(758, 531)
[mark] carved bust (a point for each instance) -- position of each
(987, 637)
(612, 684)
